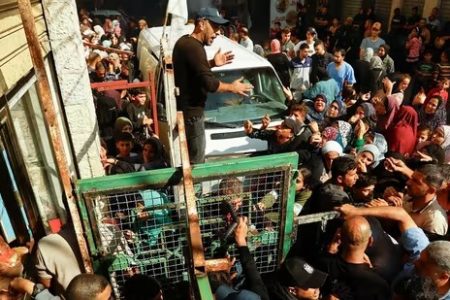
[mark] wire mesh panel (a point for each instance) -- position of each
(260, 198)
(136, 223)
(140, 232)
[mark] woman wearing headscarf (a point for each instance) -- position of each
(432, 113)
(329, 134)
(280, 62)
(441, 137)
(345, 131)
(364, 110)
(335, 111)
(317, 109)
(401, 135)
(368, 158)
(330, 151)
(385, 108)
(153, 154)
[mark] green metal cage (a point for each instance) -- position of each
(136, 223)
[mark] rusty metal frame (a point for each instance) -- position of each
(52, 126)
(125, 85)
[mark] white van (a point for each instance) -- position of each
(224, 112)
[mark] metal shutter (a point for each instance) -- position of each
(409, 4)
(445, 11)
(382, 10)
(350, 9)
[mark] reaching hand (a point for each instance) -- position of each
(423, 157)
(240, 88)
(377, 203)
(240, 233)
(395, 164)
(419, 98)
(248, 126)
(355, 118)
(347, 210)
(360, 129)
(388, 85)
(314, 127)
(288, 93)
(361, 166)
(265, 121)
(223, 58)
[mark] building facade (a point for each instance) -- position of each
(30, 191)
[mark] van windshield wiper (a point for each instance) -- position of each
(220, 125)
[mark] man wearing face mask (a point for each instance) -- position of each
(195, 80)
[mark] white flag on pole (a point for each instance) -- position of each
(178, 8)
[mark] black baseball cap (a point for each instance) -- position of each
(296, 272)
(211, 14)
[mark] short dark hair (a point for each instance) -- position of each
(318, 42)
(124, 136)
(386, 48)
(432, 174)
(342, 165)
(424, 127)
(137, 91)
(86, 286)
(445, 171)
(302, 107)
(342, 51)
(141, 287)
(306, 174)
(230, 186)
(365, 180)
(439, 98)
(304, 46)
(436, 152)
(322, 74)
(286, 30)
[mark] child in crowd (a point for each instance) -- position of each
(124, 144)
(425, 70)
(423, 134)
(441, 89)
(443, 67)
(139, 112)
(302, 190)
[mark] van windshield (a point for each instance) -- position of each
(266, 98)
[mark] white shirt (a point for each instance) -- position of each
(311, 50)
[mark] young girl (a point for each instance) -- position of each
(302, 190)
(413, 46)
(423, 134)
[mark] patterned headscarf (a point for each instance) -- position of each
(330, 133)
(345, 133)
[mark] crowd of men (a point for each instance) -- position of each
(367, 115)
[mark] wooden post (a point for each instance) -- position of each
(195, 237)
(51, 122)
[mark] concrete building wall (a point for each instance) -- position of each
(71, 71)
(15, 60)
(57, 26)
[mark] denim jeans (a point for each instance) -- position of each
(195, 135)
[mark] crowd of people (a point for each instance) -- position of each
(367, 114)
(368, 117)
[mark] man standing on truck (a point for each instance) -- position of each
(195, 80)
